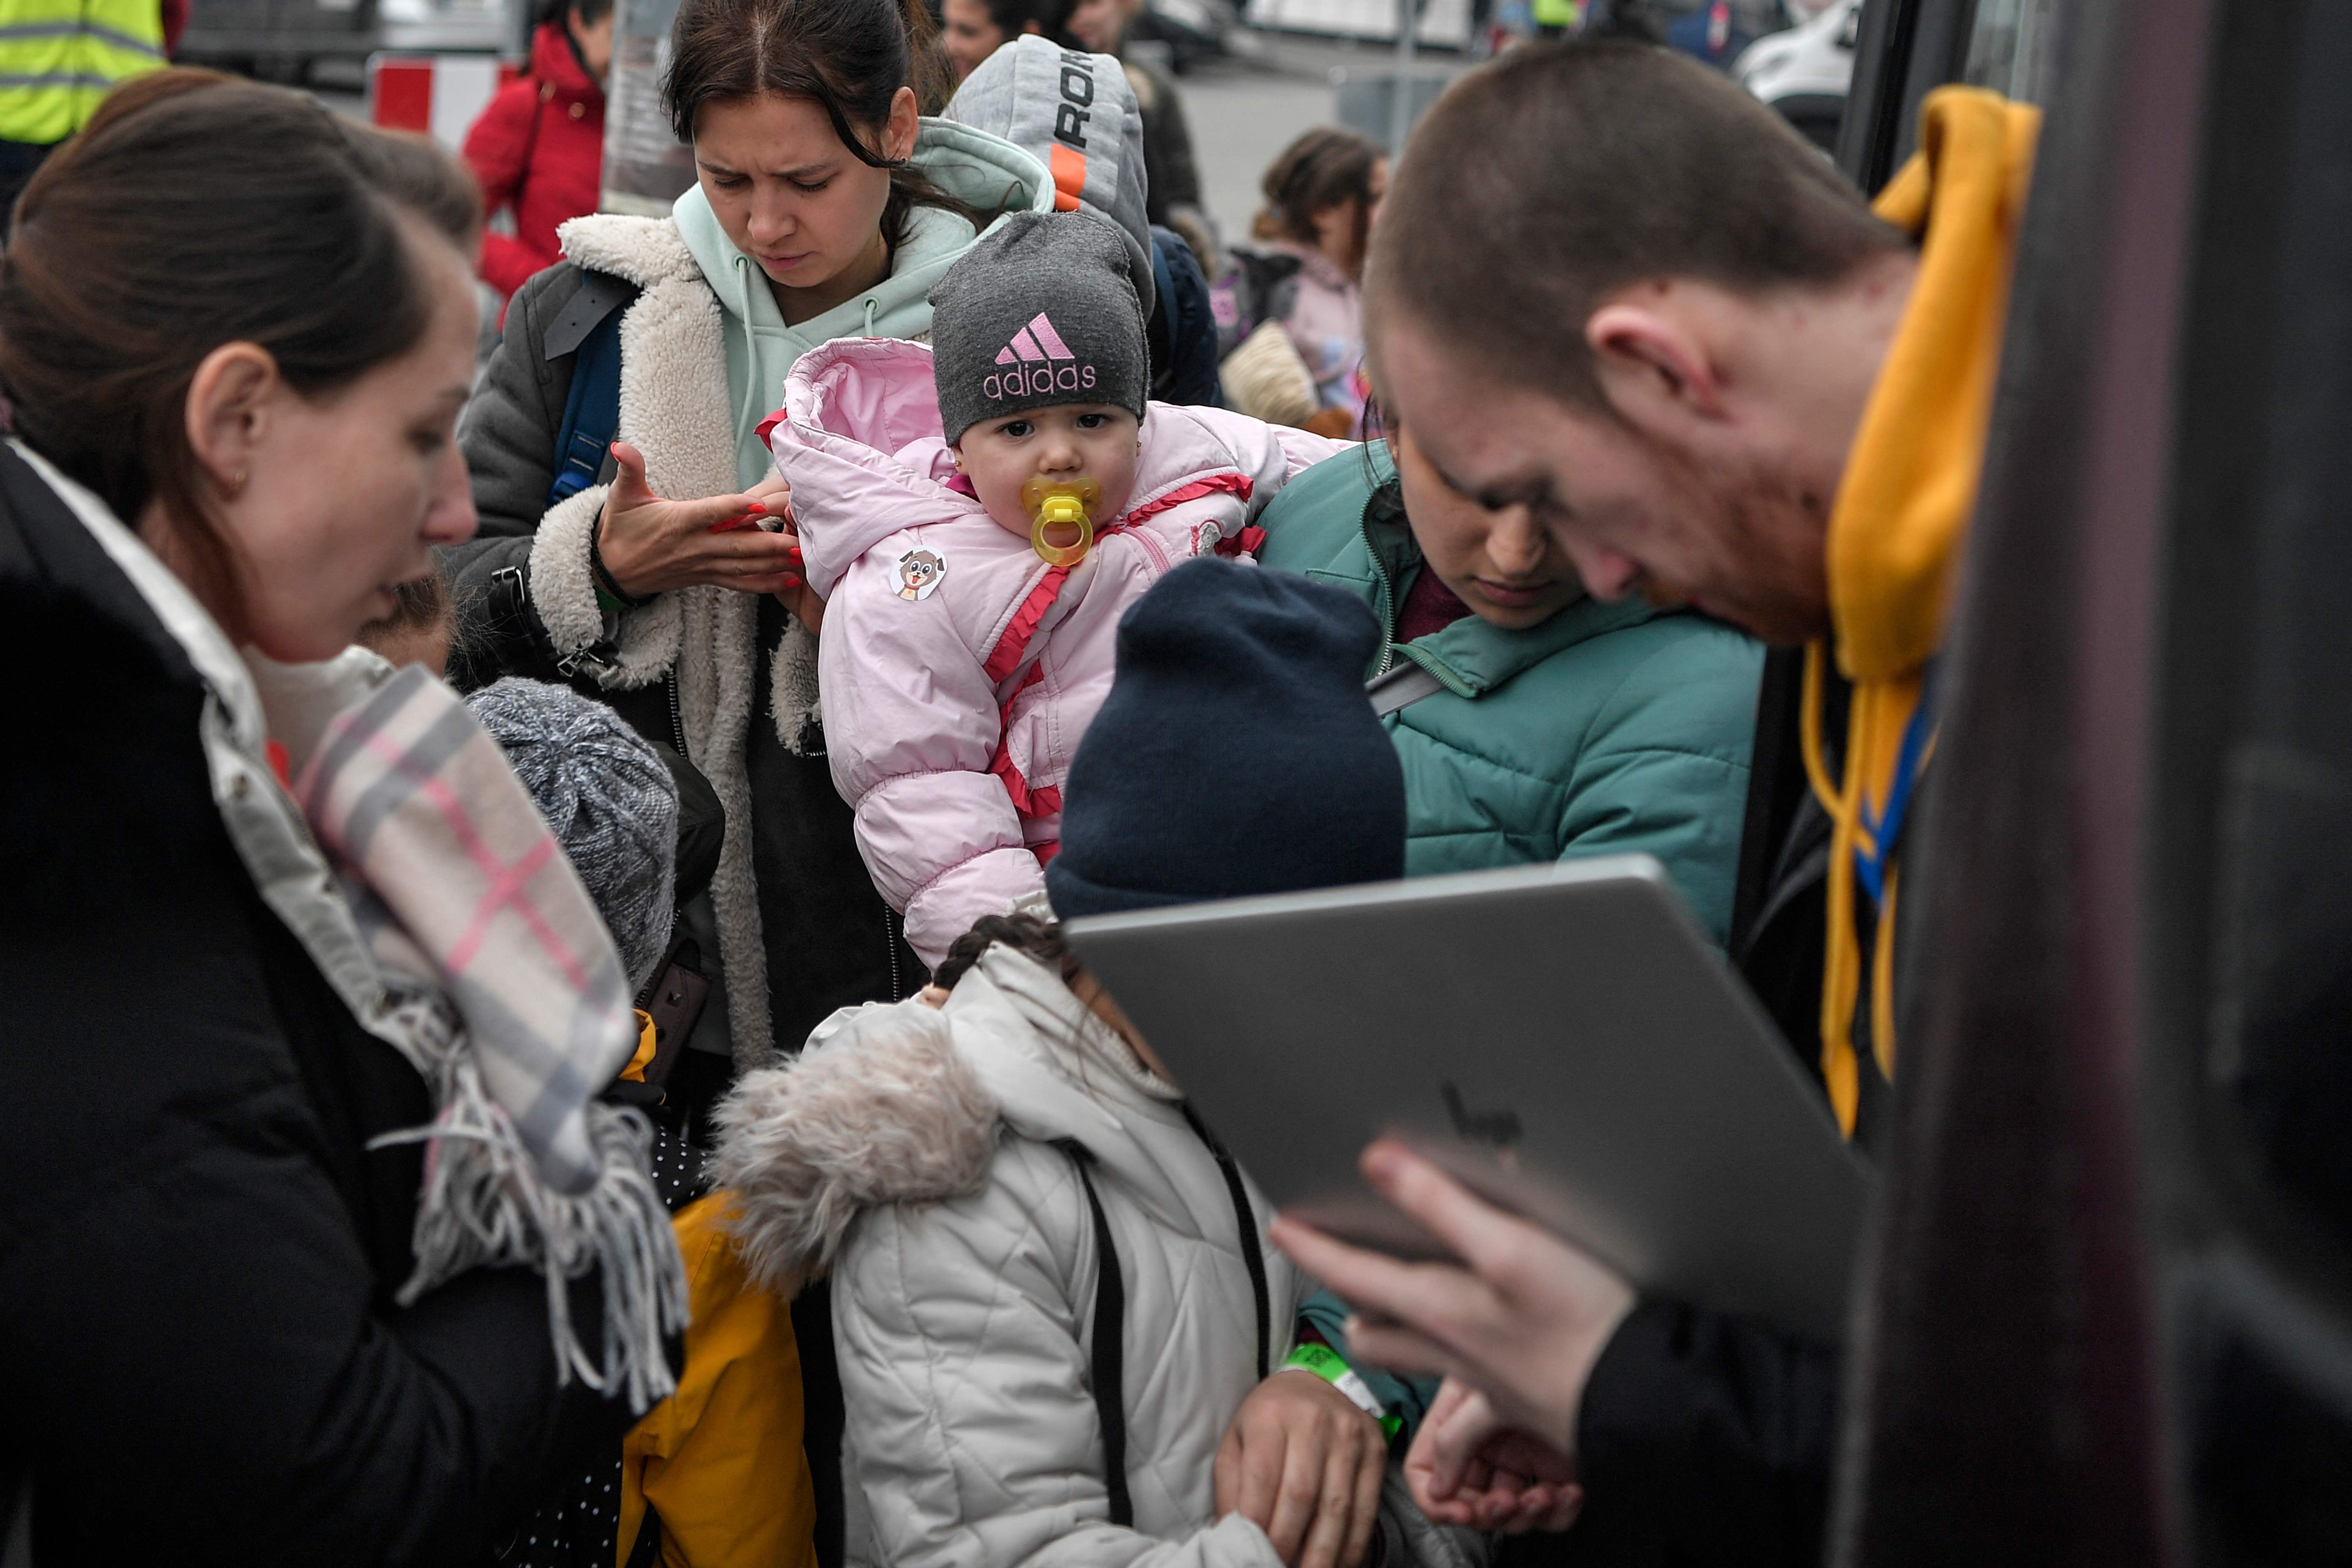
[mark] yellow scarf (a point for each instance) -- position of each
(1902, 512)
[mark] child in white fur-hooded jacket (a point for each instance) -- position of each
(963, 655)
(958, 1161)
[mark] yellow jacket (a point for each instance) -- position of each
(1902, 513)
(59, 57)
(720, 1460)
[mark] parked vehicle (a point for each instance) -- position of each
(1188, 30)
(1720, 32)
(279, 40)
(1806, 71)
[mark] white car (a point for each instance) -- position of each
(1805, 71)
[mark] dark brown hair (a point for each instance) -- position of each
(196, 210)
(1033, 938)
(1537, 188)
(849, 58)
(590, 12)
(1026, 934)
(421, 607)
(1012, 17)
(1323, 168)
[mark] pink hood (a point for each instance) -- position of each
(858, 439)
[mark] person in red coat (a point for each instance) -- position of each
(539, 148)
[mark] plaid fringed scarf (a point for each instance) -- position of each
(519, 1012)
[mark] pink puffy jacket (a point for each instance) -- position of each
(957, 669)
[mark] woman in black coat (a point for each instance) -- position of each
(233, 385)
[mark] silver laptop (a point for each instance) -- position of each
(1560, 1037)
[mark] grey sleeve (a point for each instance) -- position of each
(509, 430)
(1180, 175)
(508, 435)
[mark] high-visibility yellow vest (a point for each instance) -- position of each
(58, 57)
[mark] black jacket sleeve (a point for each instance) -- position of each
(198, 1252)
(1171, 178)
(508, 438)
(1705, 1438)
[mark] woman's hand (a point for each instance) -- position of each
(1467, 1468)
(1304, 1463)
(650, 545)
(1523, 1322)
(795, 594)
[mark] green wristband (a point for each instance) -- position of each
(1332, 1368)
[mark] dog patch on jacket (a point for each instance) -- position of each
(921, 572)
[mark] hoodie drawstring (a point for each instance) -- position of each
(748, 412)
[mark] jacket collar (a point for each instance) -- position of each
(554, 66)
(197, 635)
(640, 250)
(1472, 657)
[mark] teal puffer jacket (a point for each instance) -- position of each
(1608, 729)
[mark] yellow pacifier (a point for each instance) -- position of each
(1056, 504)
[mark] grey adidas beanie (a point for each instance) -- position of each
(1042, 310)
(1074, 113)
(607, 796)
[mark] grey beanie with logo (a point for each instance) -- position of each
(1041, 310)
(1074, 113)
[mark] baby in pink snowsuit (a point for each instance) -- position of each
(966, 647)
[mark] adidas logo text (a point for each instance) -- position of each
(1038, 360)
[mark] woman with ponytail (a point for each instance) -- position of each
(318, 1250)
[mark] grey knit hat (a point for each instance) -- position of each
(1076, 114)
(607, 796)
(1041, 310)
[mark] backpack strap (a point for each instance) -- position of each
(1110, 1369)
(1252, 1252)
(1401, 687)
(589, 329)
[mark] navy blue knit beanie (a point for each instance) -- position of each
(1236, 754)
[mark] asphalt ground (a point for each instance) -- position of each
(1244, 111)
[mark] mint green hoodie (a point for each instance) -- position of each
(986, 172)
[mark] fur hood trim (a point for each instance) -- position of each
(901, 1102)
(643, 250)
(674, 409)
(886, 1111)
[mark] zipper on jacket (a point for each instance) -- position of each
(890, 943)
(1388, 594)
(677, 724)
